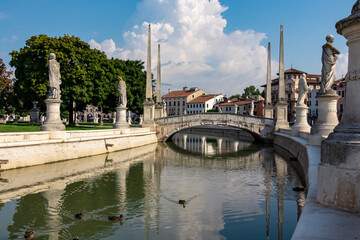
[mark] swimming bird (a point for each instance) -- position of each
(29, 234)
(79, 216)
(76, 238)
(116, 219)
(183, 202)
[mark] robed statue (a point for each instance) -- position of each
(252, 108)
(122, 92)
(328, 60)
(303, 90)
(54, 77)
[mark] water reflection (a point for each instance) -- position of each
(235, 190)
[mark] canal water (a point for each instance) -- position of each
(233, 189)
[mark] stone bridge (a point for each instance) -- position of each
(261, 129)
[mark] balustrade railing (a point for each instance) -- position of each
(216, 117)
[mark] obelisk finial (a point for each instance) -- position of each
(148, 68)
(158, 84)
(268, 79)
(281, 67)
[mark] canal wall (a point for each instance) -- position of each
(316, 221)
(35, 148)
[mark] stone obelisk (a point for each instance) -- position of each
(339, 170)
(159, 108)
(149, 106)
(269, 109)
(281, 105)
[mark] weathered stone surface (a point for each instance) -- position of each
(53, 121)
(121, 122)
(301, 124)
(281, 115)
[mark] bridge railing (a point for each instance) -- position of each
(216, 117)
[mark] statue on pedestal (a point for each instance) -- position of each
(303, 90)
(54, 77)
(328, 60)
(122, 92)
(252, 108)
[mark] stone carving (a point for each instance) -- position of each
(252, 108)
(122, 92)
(353, 75)
(303, 90)
(328, 60)
(35, 103)
(54, 77)
(351, 20)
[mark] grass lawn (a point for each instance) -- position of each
(25, 127)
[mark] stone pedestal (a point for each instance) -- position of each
(339, 171)
(149, 114)
(121, 122)
(53, 121)
(159, 111)
(281, 115)
(327, 119)
(301, 124)
(269, 111)
(34, 116)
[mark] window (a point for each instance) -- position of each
(309, 94)
(255, 106)
(309, 103)
(192, 96)
(289, 96)
(289, 85)
(343, 93)
(169, 104)
(183, 103)
(314, 86)
(339, 93)
(316, 103)
(207, 105)
(341, 108)
(179, 103)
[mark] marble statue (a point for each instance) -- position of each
(328, 60)
(122, 92)
(303, 90)
(54, 77)
(252, 108)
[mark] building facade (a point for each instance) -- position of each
(203, 103)
(176, 101)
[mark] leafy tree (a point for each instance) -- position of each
(80, 67)
(250, 91)
(6, 88)
(234, 96)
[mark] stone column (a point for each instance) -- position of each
(281, 105)
(121, 122)
(339, 171)
(53, 121)
(327, 119)
(301, 124)
(269, 109)
(159, 108)
(149, 106)
(34, 115)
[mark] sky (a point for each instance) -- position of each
(219, 46)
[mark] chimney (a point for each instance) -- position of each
(169, 90)
(185, 89)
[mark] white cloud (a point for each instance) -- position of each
(194, 48)
(342, 65)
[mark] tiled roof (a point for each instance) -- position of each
(204, 98)
(293, 70)
(178, 94)
(341, 80)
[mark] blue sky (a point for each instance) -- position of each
(218, 45)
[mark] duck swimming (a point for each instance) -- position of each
(183, 202)
(79, 216)
(29, 234)
(116, 219)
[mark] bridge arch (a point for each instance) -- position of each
(260, 128)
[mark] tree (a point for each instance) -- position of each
(6, 88)
(234, 96)
(250, 91)
(80, 68)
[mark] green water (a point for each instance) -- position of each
(240, 191)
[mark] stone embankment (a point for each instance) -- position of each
(34, 148)
(316, 221)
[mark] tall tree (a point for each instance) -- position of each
(78, 66)
(6, 88)
(251, 90)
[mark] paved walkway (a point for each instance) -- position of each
(316, 221)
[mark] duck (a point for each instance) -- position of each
(79, 216)
(76, 238)
(29, 234)
(183, 202)
(116, 219)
